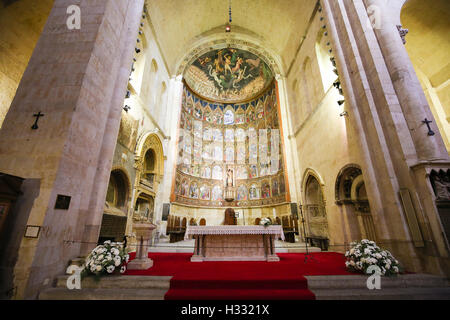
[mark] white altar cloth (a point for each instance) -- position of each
(192, 231)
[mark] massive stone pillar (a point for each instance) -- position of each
(407, 87)
(95, 212)
(290, 152)
(387, 106)
(76, 78)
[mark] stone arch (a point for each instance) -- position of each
(122, 175)
(314, 204)
(344, 182)
(350, 193)
(116, 206)
(147, 141)
(215, 39)
(357, 185)
(305, 84)
(311, 172)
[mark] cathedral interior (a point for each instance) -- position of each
(330, 118)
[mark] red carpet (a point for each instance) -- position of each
(282, 280)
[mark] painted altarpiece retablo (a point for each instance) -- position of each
(229, 123)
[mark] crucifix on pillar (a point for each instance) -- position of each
(427, 122)
(38, 115)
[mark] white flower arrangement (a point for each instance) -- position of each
(366, 253)
(265, 222)
(105, 258)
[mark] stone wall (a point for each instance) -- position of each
(21, 23)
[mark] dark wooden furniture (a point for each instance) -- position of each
(176, 229)
(321, 242)
(230, 217)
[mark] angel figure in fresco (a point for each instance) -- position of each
(204, 60)
(213, 73)
(241, 76)
(227, 64)
(218, 62)
(237, 67)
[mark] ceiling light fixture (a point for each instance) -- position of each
(228, 27)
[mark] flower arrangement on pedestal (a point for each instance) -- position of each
(366, 253)
(265, 222)
(106, 259)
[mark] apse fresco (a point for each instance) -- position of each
(242, 139)
(229, 76)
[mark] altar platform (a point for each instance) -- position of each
(234, 243)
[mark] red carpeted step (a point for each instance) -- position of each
(238, 294)
(249, 280)
(262, 284)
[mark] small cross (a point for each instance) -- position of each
(35, 126)
(427, 122)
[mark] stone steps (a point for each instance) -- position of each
(102, 294)
(402, 287)
(110, 288)
(384, 294)
(120, 282)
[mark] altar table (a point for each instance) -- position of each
(234, 243)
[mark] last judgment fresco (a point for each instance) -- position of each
(230, 145)
(228, 75)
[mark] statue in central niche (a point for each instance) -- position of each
(229, 178)
(230, 217)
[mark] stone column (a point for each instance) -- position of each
(388, 133)
(95, 212)
(407, 86)
(70, 78)
(288, 143)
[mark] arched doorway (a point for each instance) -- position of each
(149, 165)
(315, 211)
(351, 194)
(116, 207)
